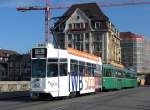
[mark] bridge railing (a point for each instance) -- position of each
(13, 86)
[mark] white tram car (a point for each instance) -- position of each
(59, 73)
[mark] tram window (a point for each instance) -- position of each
(93, 70)
(127, 75)
(63, 69)
(81, 66)
(52, 60)
(81, 70)
(89, 68)
(85, 70)
(119, 74)
(74, 62)
(81, 63)
(56, 60)
(104, 72)
(108, 72)
(114, 73)
(52, 70)
(90, 71)
(38, 68)
(74, 67)
(123, 74)
(63, 60)
(98, 69)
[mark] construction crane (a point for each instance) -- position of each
(47, 16)
(130, 3)
(48, 7)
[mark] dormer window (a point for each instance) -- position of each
(76, 26)
(82, 26)
(86, 25)
(70, 26)
(78, 17)
(97, 25)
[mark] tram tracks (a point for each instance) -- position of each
(82, 102)
(21, 102)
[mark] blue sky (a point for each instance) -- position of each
(21, 31)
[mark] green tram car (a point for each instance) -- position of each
(117, 78)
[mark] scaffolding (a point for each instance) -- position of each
(132, 46)
(147, 56)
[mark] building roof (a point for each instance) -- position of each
(18, 57)
(130, 35)
(6, 53)
(91, 10)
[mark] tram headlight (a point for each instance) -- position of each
(35, 84)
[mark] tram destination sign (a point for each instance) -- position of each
(39, 53)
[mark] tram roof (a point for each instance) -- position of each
(117, 68)
(61, 53)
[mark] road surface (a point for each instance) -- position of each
(127, 99)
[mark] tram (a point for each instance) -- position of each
(59, 73)
(118, 77)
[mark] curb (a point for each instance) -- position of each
(9, 95)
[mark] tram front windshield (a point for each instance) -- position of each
(38, 68)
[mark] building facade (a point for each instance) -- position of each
(132, 46)
(13, 66)
(4, 56)
(147, 61)
(147, 56)
(19, 67)
(85, 27)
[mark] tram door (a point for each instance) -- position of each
(57, 76)
(53, 76)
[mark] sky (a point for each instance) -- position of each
(22, 31)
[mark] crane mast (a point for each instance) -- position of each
(47, 17)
